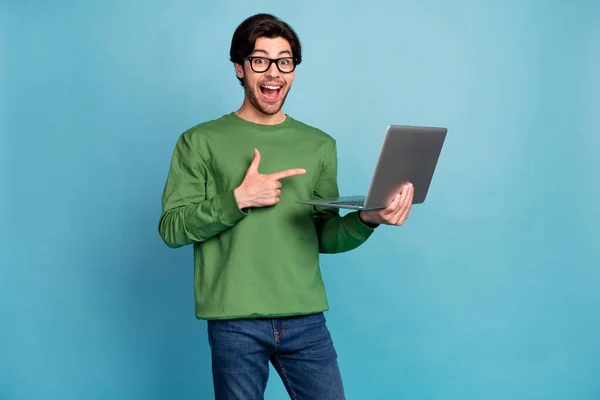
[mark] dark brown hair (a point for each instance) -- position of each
(261, 25)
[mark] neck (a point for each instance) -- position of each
(248, 112)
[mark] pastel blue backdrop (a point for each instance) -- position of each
(491, 289)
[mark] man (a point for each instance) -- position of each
(231, 191)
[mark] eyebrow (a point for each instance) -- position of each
(265, 52)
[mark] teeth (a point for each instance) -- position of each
(272, 87)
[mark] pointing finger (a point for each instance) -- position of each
(287, 173)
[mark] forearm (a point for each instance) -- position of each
(197, 222)
(339, 234)
(336, 234)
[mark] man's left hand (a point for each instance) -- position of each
(394, 214)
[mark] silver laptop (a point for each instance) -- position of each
(408, 154)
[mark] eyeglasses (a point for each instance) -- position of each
(262, 64)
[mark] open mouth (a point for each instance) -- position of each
(270, 92)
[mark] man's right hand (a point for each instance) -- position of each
(258, 190)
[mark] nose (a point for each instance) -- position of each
(273, 71)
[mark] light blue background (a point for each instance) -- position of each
(491, 289)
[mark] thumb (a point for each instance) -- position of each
(253, 168)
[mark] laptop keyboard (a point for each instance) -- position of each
(349, 202)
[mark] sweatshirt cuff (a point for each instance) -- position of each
(357, 228)
(227, 208)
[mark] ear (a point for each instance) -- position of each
(239, 71)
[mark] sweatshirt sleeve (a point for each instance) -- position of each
(187, 215)
(336, 234)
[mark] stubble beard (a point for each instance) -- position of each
(269, 108)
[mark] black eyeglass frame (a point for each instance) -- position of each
(271, 61)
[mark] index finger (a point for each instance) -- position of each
(287, 173)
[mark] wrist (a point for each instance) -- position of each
(239, 198)
(362, 217)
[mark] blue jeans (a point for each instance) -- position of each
(300, 349)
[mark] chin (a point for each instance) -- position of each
(270, 109)
(262, 104)
(267, 107)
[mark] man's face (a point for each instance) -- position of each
(267, 90)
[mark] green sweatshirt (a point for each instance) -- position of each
(264, 261)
